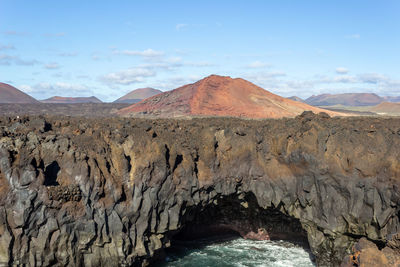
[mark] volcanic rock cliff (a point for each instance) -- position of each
(109, 192)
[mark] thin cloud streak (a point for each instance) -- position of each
(353, 36)
(257, 65)
(180, 26)
(341, 70)
(145, 53)
(52, 66)
(9, 60)
(6, 47)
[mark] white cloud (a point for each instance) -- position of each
(257, 65)
(57, 34)
(341, 70)
(83, 76)
(126, 77)
(25, 88)
(262, 77)
(373, 78)
(5, 47)
(8, 60)
(58, 88)
(199, 64)
(145, 53)
(161, 65)
(353, 36)
(175, 82)
(174, 63)
(52, 66)
(283, 85)
(24, 62)
(345, 79)
(15, 33)
(180, 26)
(68, 54)
(174, 59)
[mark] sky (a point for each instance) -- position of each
(108, 48)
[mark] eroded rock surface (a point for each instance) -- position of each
(109, 192)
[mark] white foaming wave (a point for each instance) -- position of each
(247, 253)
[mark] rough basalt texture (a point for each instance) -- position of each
(366, 253)
(108, 192)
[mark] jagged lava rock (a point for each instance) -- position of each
(115, 192)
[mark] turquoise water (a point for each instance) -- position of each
(238, 252)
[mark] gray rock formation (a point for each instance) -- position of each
(109, 192)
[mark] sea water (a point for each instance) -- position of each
(238, 252)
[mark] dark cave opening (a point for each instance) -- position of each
(51, 173)
(235, 217)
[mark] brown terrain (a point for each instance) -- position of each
(349, 99)
(71, 100)
(386, 108)
(10, 94)
(74, 110)
(219, 96)
(138, 95)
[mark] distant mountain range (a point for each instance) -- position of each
(387, 108)
(223, 96)
(138, 95)
(10, 94)
(350, 99)
(392, 98)
(296, 98)
(219, 96)
(71, 100)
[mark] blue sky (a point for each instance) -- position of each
(108, 48)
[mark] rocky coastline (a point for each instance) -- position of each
(116, 191)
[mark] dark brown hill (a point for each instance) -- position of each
(10, 94)
(387, 108)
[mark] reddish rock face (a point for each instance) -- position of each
(366, 253)
(220, 96)
(10, 94)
